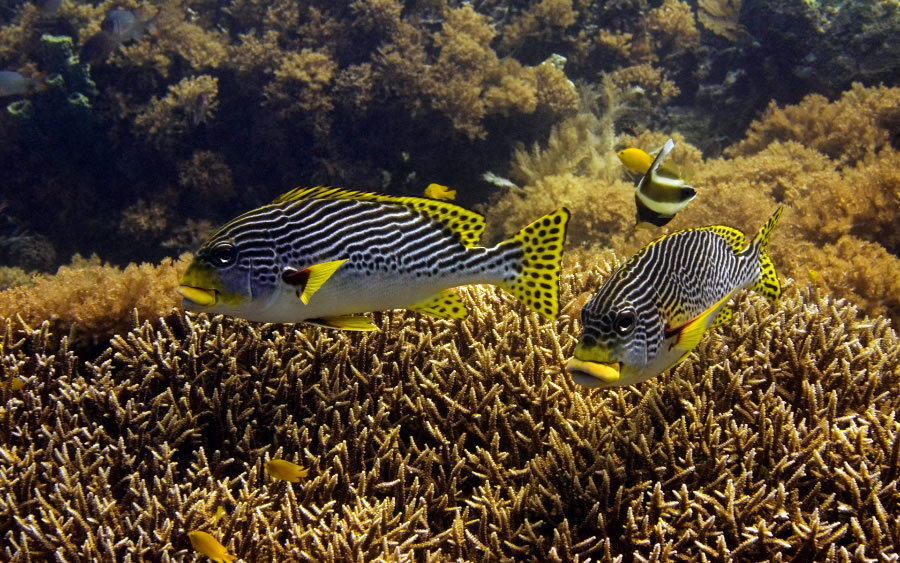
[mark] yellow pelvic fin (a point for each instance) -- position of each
(318, 275)
(767, 284)
(444, 305)
(345, 322)
(690, 333)
(537, 284)
(467, 224)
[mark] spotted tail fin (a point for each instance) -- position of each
(537, 283)
(767, 283)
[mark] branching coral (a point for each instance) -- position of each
(299, 88)
(722, 17)
(191, 102)
(430, 440)
(863, 121)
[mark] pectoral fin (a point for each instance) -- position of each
(690, 333)
(444, 305)
(311, 278)
(345, 322)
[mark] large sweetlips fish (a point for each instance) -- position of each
(652, 311)
(327, 255)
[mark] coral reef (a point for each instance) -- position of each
(88, 301)
(427, 440)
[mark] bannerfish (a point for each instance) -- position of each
(661, 192)
(207, 545)
(284, 470)
(654, 309)
(437, 191)
(326, 255)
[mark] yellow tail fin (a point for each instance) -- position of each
(767, 284)
(537, 284)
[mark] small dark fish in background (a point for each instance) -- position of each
(48, 8)
(116, 29)
(200, 108)
(20, 83)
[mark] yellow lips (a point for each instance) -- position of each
(202, 297)
(605, 372)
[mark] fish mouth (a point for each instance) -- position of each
(198, 295)
(593, 374)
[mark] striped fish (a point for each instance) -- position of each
(661, 192)
(326, 255)
(654, 309)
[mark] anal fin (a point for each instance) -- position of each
(444, 305)
(344, 322)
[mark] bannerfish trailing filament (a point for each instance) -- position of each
(327, 255)
(654, 309)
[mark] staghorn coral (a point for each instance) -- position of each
(428, 440)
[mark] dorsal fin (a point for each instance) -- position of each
(467, 224)
(735, 238)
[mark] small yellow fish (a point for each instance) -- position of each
(286, 471)
(437, 191)
(209, 546)
(635, 160)
(16, 384)
(220, 512)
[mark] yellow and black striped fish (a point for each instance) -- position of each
(661, 192)
(654, 309)
(326, 255)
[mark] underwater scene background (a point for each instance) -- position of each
(131, 130)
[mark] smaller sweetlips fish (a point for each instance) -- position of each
(654, 309)
(437, 191)
(327, 255)
(661, 192)
(207, 545)
(284, 470)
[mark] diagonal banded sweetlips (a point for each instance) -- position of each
(327, 255)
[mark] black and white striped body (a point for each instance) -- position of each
(395, 257)
(653, 310)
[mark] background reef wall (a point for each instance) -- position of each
(777, 440)
(219, 106)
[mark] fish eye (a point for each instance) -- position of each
(625, 322)
(223, 254)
